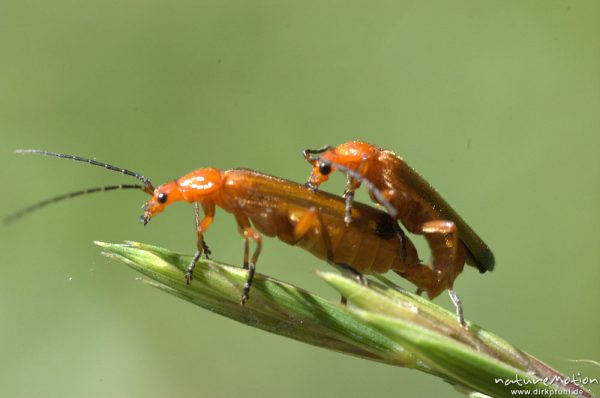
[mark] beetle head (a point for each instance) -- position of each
(351, 155)
(198, 186)
(162, 196)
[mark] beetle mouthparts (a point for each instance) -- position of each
(311, 186)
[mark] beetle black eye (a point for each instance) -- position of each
(162, 198)
(324, 168)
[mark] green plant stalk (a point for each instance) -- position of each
(383, 323)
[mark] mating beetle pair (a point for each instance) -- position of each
(352, 235)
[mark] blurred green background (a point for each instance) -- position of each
(496, 103)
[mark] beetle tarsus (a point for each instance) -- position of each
(400, 234)
(360, 278)
(207, 252)
(459, 310)
(248, 285)
(189, 275)
(349, 196)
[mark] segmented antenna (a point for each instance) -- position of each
(148, 187)
(20, 213)
(309, 152)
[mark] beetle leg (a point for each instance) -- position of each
(420, 275)
(246, 253)
(353, 181)
(351, 270)
(205, 248)
(201, 227)
(248, 233)
(352, 184)
(384, 198)
(442, 238)
(360, 278)
(311, 219)
(349, 196)
(448, 258)
(457, 303)
(400, 234)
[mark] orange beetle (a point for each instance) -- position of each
(418, 206)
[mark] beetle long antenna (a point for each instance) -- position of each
(148, 187)
(20, 213)
(308, 153)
